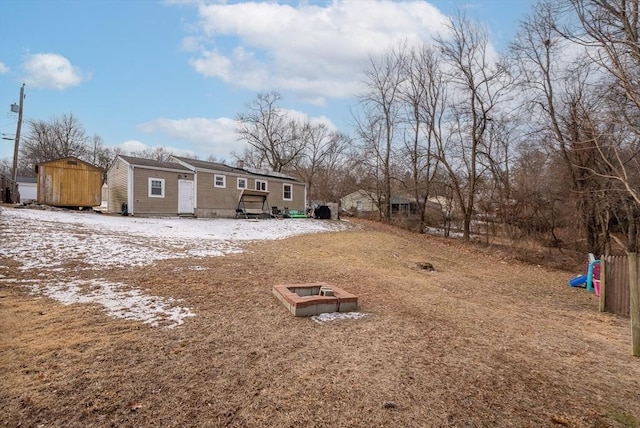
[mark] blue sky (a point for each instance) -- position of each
(143, 73)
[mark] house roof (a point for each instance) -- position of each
(216, 166)
(152, 163)
(372, 195)
(399, 200)
(24, 179)
(200, 164)
(269, 173)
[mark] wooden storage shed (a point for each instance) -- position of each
(69, 182)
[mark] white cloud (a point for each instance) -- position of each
(51, 71)
(135, 146)
(130, 146)
(303, 117)
(3, 68)
(212, 136)
(314, 50)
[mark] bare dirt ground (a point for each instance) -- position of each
(482, 341)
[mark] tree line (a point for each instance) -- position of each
(543, 139)
(539, 141)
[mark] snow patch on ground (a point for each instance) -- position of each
(47, 241)
(334, 316)
(118, 299)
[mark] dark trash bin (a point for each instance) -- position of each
(322, 212)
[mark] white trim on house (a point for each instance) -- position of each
(195, 189)
(284, 191)
(264, 188)
(245, 180)
(215, 181)
(151, 187)
(130, 188)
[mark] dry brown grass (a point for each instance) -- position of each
(482, 341)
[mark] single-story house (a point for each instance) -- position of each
(27, 188)
(184, 186)
(69, 182)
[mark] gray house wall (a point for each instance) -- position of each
(128, 183)
(145, 205)
(212, 201)
(117, 186)
(216, 201)
(209, 200)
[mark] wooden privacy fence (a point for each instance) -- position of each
(620, 291)
(615, 296)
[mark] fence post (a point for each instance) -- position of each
(634, 309)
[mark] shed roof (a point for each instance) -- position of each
(70, 158)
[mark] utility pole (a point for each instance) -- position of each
(14, 191)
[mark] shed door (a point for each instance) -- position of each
(185, 196)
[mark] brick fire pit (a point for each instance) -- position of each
(305, 300)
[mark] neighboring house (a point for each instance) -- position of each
(221, 189)
(364, 202)
(147, 187)
(403, 206)
(360, 201)
(69, 182)
(190, 186)
(28, 188)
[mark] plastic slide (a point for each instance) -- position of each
(578, 281)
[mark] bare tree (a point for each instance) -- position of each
(322, 156)
(370, 159)
(424, 98)
(61, 137)
(477, 82)
(610, 33)
(98, 154)
(560, 105)
(274, 135)
(376, 126)
(160, 153)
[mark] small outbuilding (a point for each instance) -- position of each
(69, 182)
(27, 188)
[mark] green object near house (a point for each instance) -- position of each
(294, 214)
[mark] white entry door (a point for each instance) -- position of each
(185, 196)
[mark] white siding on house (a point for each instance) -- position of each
(28, 191)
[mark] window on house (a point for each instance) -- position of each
(287, 192)
(156, 187)
(219, 180)
(359, 205)
(261, 185)
(242, 183)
